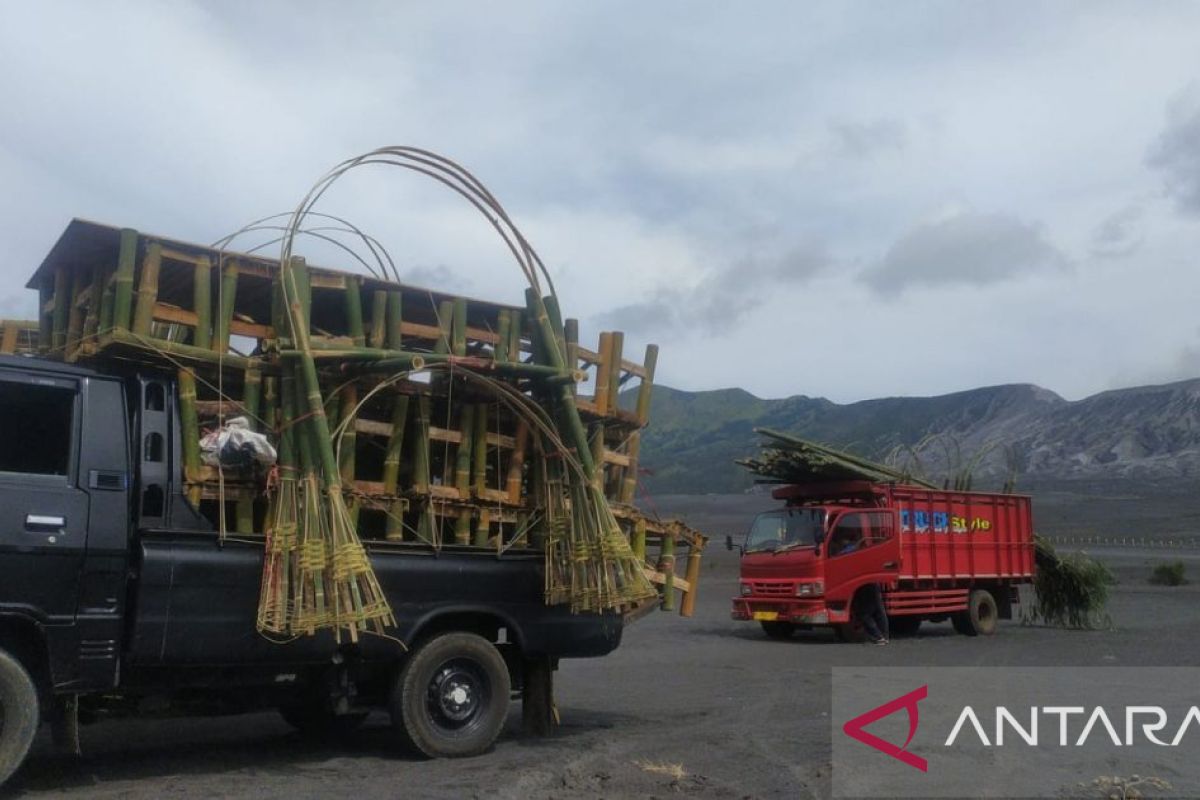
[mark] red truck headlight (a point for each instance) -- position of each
(810, 589)
(746, 590)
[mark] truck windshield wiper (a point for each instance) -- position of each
(793, 546)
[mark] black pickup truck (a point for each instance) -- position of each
(116, 594)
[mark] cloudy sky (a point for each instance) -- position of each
(839, 199)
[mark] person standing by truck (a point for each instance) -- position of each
(868, 609)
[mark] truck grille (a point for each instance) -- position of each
(773, 588)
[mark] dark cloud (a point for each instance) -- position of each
(1176, 152)
(1120, 234)
(967, 249)
(720, 302)
(862, 139)
(437, 276)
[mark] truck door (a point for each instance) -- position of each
(43, 513)
(861, 545)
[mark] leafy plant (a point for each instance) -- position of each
(1169, 574)
(1071, 591)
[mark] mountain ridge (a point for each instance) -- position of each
(1144, 432)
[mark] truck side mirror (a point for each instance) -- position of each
(729, 545)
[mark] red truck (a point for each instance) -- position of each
(937, 554)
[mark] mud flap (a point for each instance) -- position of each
(539, 716)
(64, 725)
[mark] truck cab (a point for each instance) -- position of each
(802, 565)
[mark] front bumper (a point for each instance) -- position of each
(800, 612)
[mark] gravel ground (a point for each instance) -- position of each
(705, 707)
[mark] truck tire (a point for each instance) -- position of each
(778, 630)
(980, 617)
(19, 715)
(451, 698)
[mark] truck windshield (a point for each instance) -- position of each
(793, 527)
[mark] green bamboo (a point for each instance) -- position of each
(421, 449)
(378, 318)
(278, 318)
(462, 527)
(107, 296)
(597, 448)
(603, 372)
(503, 325)
(354, 317)
(666, 565)
(391, 469)
(270, 414)
(62, 301)
(462, 461)
(252, 395)
(639, 540)
(445, 322)
(147, 294)
(614, 376)
(190, 434)
(162, 346)
(482, 528)
(543, 332)
(555, 316)
(516, 463)
(123, 282)
(202, 303)
(347, 456)
(481, 449)
(458, 327)
(243, 520)
(571, 336)
(644, 391)
(395, 320)
(229, 281)
(514, 332)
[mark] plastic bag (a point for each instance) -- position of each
(236, 446)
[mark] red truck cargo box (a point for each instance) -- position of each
(947, 535)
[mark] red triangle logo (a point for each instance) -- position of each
(855, 727)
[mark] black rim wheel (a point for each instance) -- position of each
(456, 695)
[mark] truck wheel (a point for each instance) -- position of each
(18, 714)
(317, 721)
(779, 630)
(980, 617)
(452, 696)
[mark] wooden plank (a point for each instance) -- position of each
(163, 312)
(661, 578)
(613, 457)
(373, 427)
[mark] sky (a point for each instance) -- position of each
(838, 199)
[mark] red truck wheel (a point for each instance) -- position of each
(980, 617)
(18, 714)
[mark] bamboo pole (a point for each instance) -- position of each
(516, 463)
(252, 395)
(571, 335)
(598, 450)
(202, 303)
(420, 453)
(229, 282)
(270, 412)
(349, 442)
(445, 322)
(190, 434)
(107, 298)
(479, 468)
(514, 332)
(164, 347)
(354, 316)
(394, 529)
(692, 576)
(614, 376)
(463, 457)
(395, 318)
(378, 319)
(123, 281)
(91, 320)
(603, 373)
(666, 565)
(462, 527)
(644, 391)
(147, 293)
(556, 324)
(503, 326)
(482, 528)
(458, 327)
